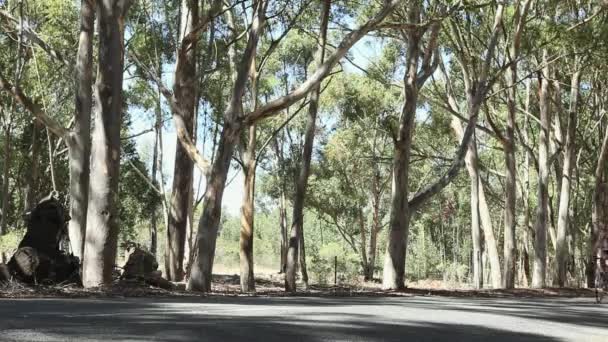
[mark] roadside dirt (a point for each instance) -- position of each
(228, 285)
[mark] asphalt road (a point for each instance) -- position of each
(303, 319)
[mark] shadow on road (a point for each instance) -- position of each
(268, 319)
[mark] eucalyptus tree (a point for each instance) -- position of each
(421, 63)
(509, 251)
(296, 234)
(477, 79)
(200, 278)
(80, 137)
(102, 228)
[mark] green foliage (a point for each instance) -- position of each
(10, 241)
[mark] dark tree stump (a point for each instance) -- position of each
(39, 257)
(142, 265)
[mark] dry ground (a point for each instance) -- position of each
(272, 285)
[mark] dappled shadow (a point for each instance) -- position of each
(268, 319)
(583, 312)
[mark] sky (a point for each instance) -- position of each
(365, 51)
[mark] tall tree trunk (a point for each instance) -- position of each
(564, 202)
(484, 219)
(373, 233)
(302, 260)
(509, 251)
(153, 216)
(247, 216)
(475, 225)
(363, 246)
(248, 206)
(184, 90)
(31, 185)
(394, 261)
(296, 234)
(5, 180)
(599, 214)
(376, 192)
(541, 225)
(525, 270)
(102, 227)
(79, 139)
(282, 205)
(202, 268)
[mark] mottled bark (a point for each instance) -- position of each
(79, 139)
(564, 202)
(184, 90)
(394, 261)
(297, 226)
(541, 226)
(247, 216)
(102, 225)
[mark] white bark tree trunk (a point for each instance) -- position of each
(564, 201)
(542, 217)
(79, 139)
(102, 228)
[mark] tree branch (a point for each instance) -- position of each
(324, 69)
(33, 108)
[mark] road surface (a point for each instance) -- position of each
(303, 319)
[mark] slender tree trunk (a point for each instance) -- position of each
(564, 202)
(102, 227)
(31, 185)
(363, 245)
(282, 206)
(541, 225)
(5, 180)
(373, 239)
(202, 268)
(200, 278)
(296, 235)
(79, 139)
(599, 214)
(153, 217)
(184, 89)
(248, 206)
(283, 227)
(526, 199)
(302, 257)
(475, 224)
(247, 215)
(394, 261)
(509, 251)
(483, 220)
